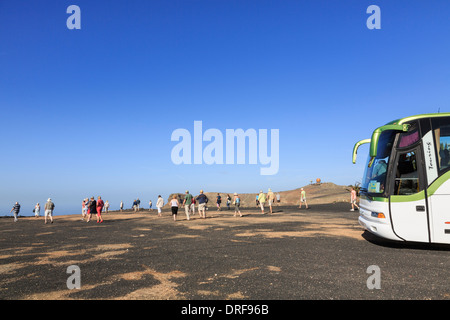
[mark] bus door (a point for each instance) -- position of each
(408, 206)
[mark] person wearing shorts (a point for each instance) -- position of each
(218, 201)
(353, 199)
(202, 201)
(303, 198)
(49, 207)
(270, 199)
(159, 204)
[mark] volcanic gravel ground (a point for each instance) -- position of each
(293, 254)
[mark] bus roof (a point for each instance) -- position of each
(397, 125)
(417, 117)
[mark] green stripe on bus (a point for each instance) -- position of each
(410, 197)
(437, 183)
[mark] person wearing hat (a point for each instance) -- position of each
(187, 203)
(270, 198)
(49, 207)
(237, 203)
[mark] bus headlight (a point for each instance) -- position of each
(378, 215)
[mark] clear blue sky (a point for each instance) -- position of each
(91, 112)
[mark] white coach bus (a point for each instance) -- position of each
(405, 192)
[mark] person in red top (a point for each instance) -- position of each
(100, 205)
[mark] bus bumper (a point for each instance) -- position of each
(377, 226)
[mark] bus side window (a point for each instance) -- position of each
(407, 177)
(442, 141)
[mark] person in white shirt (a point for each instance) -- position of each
(159, 205)
(37, 209)
(174, 204)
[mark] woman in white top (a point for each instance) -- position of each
(37, 209)
(174, 205)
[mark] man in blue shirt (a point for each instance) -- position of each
(202, 201)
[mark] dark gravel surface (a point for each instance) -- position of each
(294, 254)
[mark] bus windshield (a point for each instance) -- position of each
(374, 180)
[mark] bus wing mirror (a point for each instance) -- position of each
(377, 133)
(357, 145)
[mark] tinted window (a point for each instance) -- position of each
(441, 127)
(406, 175)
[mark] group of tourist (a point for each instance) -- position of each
(92, 206)
(48, 210)
(189, 201)
(262, 198)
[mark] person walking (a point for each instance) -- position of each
(353, 199)
(262, 200)
(303, 198)
(16, 209)
(159, 205)
(193, 206)
(37, 210)
(174, 204)
(92, 208)
(202, 201)
(150, 205)
(218, 201)
(138, 204)
(135, 205)
(49, 207)
(106, 206)
(228, 201)
(270, 199)
(237, 203)
(187, 203)
(100, 205)
(84, 204)
(121, 205)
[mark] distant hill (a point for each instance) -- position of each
(318, 193)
